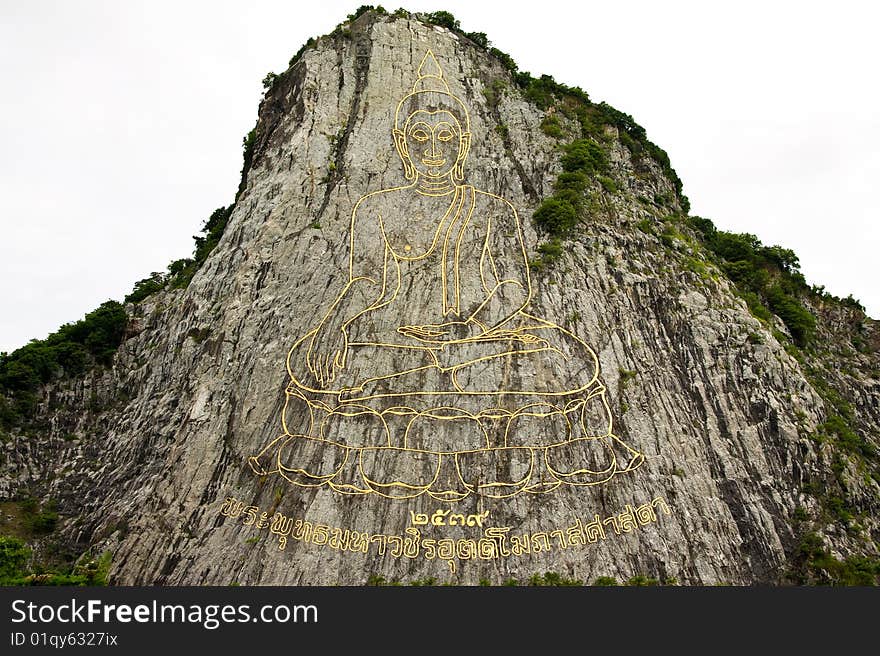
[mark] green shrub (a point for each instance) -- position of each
(605, 581)
(846, 437)
(571, 181)
(699, 267)
(540, 91)
(625, 375)
(479, 38)
(767, 277)
(646, 225)
(42, 521)
(8, 416)
(608, 184)
(212, 230)
(248, 146)
(444, 19)
(664, 199)
(505, 59)
(363, 9)
(299, 53)
(537, 265)
(857, 570)
(585, 156)
(493, 92)
(839, 509)
(570, 196)
(640, 580)
(380, 581)
(756, 307)
(425, 582)
(146, 287)
(735, 246)
(636, 140)
(181, 271)
(747, 275)
(800, 323)
(783, 258)
(814, 564)
(14, 556)
(551, 126)
(68, 351)
(556, 216)
(554, 579)
(551, 249)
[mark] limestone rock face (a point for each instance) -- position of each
(149, 460)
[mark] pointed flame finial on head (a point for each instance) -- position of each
(430, 75)
(430, 94)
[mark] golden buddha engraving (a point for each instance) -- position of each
(428, 375)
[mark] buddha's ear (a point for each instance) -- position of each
(400, 144)
(464, 146)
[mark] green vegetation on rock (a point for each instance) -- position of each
(559, 213)
(814, 565)
(768, 277)
(68, 352)
(26, 522)
(16, 568)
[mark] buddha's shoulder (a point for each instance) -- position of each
(376, 198)
(384, 201)
(493, 205)
(395, 196)
(492, 200)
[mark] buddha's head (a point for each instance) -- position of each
(431, 127)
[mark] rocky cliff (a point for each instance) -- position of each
(758, 455)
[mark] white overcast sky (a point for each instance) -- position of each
(121, 124)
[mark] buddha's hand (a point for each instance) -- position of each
(443, 333)
(327, 354)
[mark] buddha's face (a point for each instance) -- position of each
(433, 142)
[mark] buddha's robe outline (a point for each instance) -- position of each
(385, 405)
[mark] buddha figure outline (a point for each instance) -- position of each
(428, 375)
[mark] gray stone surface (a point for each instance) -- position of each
(717, 406)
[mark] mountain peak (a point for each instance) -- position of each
(457, 322)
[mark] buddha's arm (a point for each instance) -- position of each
(329, 348)
(504, 271)
(365, 288)
(504, 275)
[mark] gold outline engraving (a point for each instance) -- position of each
(474, 335)
(420, 541)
